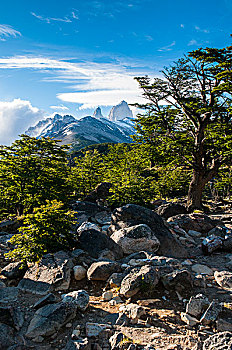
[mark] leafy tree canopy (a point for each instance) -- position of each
(31, 172)
(187, 120)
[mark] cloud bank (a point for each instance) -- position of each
(91, 84)
(15, 117)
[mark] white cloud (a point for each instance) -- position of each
(193, 42)
(93, 84)
(62, 108)
(182, 25)
(101, 98)
(7, 31)
(168, 47)
(66, 19)
(198, 29)
(15, 117)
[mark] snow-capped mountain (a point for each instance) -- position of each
(86, 131)
(120, 112)
(98, 113)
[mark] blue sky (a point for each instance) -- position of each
(71, 56)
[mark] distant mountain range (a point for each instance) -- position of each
(117, 128)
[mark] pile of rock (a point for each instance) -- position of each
(121, 257)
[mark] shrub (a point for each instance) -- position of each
(46, 230)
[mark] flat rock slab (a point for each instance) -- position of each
(52, 273)
(9, 295)
(50, 318)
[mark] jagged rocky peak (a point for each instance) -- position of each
(120, 111)
(98, 113)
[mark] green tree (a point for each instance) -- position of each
(187, 121)
(46, 230)
(32, 171)
(87, 173)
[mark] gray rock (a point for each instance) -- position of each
(80, 298)
(50, 318)
(224, 325)
(47, 299)
(7, 336)
(94, 329)
(188, 319)
(14, 270)
(115, 280)
(145, 277)
(138, 255)
(52, 273)
(107, 296)
(171, 209)
(79, 344)
(2, 285)
(107, 254)
(194, 234)
(89, 208)
(11, 316)
(131, 214)
(103, 218)
(9, 295)
(102, 270)
(133, 311)
(135, 238)
(94, 242)
(195, 221)
(80, 257)
(218, 341)
(179, 280)
(202, 269)
(87, 226)
(211, 313)
(224, 279)
(197, 305)
(79, 272)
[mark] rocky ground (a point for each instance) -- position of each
(139, 279)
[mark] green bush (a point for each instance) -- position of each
(47, 230)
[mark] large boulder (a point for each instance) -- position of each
(52, 273)
(171, 209)
(131, 215)
(94, 242)
(136, 238)
(50, 318)
(196, 222)
(102, 270)
(145, 277)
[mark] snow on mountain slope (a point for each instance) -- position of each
(83, 132)
(120, 111)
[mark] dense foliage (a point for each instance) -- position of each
(31, 172)
(46, 230)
